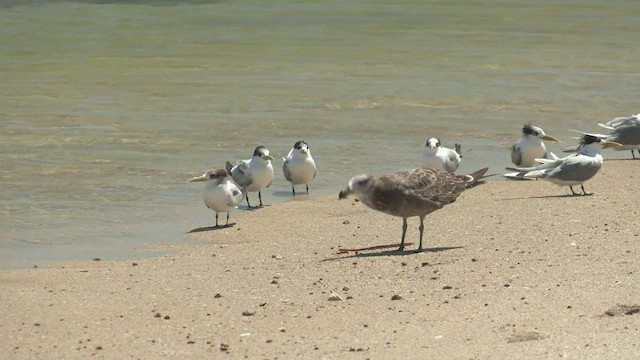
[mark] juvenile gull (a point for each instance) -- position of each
(572, 170)
(415, 192)
(530, 146)
(436, 156)
(299, 167)
(220, 194)
(254, 174)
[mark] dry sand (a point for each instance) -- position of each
(513, 270)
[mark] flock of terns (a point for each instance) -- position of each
(418, 192)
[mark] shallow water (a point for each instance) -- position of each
(108, 107)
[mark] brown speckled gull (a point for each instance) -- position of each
(407, 193)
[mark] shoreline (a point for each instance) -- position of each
(512, 269)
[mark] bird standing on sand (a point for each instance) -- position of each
(254, 174)
(626, 131)
(436, 156)
(409, 193)
(530, 146)
(571, 170)
(220, 194)
(299, 167)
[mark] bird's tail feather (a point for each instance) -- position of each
(475, 178)
(458, 149)
(228, 166)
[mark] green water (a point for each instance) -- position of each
(107, 108)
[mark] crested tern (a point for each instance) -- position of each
(436, 156)
(530, 146)
(408, 193)
(220, 194)
(572, 170)
(254, 174)
(626, 131)
(299, 166)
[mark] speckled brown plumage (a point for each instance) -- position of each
(415, 192)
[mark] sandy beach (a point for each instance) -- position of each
(512, 270)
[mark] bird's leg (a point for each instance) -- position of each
(260, 197)
(216, 219)
(572, 192)
(404, 232)
(293, 189)
(421, 228)
(248, 205)
(307, 185)
(227, 224)
(584, 192)
(633, 155)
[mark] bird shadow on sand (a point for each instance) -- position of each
(300, 194)
(392, 253)
(283, 194)
(210, 228)
(253, 207)
(549, 197)
(626, 159)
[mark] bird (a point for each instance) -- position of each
(436, 156)
(254, 174)
(408, 193)
(622, 120)
(220, 194)
(626, 131)
(572, 170)
(530, 147)
(299, 166)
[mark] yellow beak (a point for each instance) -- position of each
(267, 157)
(550, 138)
(610, 144)
(196, 179)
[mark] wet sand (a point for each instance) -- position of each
(511, 270)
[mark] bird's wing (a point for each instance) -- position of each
(431, 185)
(574, 168)
(286, 170)
(241, 175)
(545, 165)
(453, 161)
(626, 135)
(620, 121)
(602, 136)
(609, 127)
(516, 155)
(235, 195)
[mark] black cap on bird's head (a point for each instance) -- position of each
(220, 173)
(263, 153)
(298, 145)
(529, 129)
(211, 175)
(432, 143)
(260, 151)
(589, 139)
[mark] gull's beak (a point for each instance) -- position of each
(304, 151)
(344, 193)
(610, 144)
(197, 179)
(550, 138)
(267, 157)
